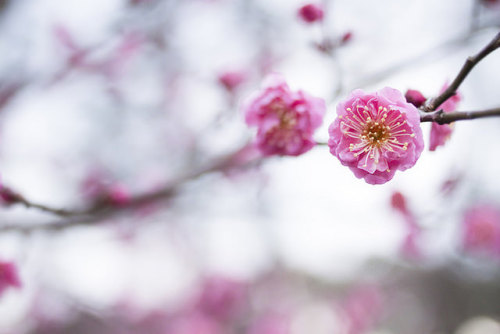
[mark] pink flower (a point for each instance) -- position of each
(376, 134)
(346, 37)
(398, 203)
(118, 195)
(221, 297)
(285, 120)
(409, 248)
(9, 276)
(481, 229)
(311, 13)
(415, 97)
(231, 80)
(9, 196)
(440, 133)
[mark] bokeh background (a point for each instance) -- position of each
(103, 101)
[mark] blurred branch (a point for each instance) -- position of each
(442, 117)
(466, 68)
(426, 56)
(103, 209)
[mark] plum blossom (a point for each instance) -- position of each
(410, 247)
(481, 229)
(376, 134)
(9, 277)
(440, 133)
(221, 297)
(346, 37)
(231, 80)
(285, 119)
(311, 13)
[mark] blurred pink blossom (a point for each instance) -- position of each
(481, 229)
(440, 133)
(376, 134)
(9, 277)
(221, 297)
(9, 196)
(410, 248)
(311, 13)
(231, 80)
(398, 202)
(118, 195)
(97, 187)
(285, 120)
(346, 37)
(195, 323)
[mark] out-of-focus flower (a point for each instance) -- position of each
(118, 195)
(409, 248)
(481, 229)
(231, 80)
(346, 37)
(440, 133)
(311, 13)
(376, 134)
(9, 196)
(97, 188)
(398, 202)
(285, 120)
(221, 297)
(9, 277)
(415, 97)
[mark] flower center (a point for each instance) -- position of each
(376, 133)
(285, 115)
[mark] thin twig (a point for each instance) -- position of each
(442, 117)
(101, 210)
(464, 71)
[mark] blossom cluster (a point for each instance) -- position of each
(9, 277)
(481, 230)
(375, 134)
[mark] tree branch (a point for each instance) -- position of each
(442, 117)
(466, 68)
(103, 209)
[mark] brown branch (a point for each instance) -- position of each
(104, 209)
(464, 71)
(442, 117)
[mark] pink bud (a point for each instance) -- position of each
(9, 276)
(415, 97)
(118, 195)
(9, 197)
(231, 80)
(311, 13)
(346, 37)
(398, 202)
